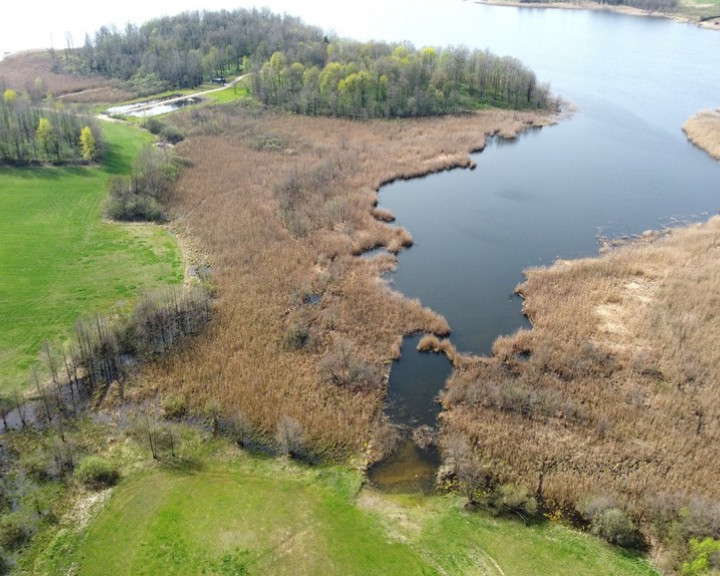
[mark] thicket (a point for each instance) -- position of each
(140, 196)
(32, 131)
(296, 66)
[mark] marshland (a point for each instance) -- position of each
(597, 415)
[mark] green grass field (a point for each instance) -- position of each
(59, 260)
(699, 9)
(251, 515)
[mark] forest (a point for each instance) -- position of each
(298, 67)
(31, 133)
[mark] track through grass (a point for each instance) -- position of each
(59, 260)
(261, 516)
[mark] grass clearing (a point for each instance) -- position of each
(60, 260)
(252, 515)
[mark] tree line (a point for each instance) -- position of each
(659, 5)
(396, 80)
(296, 66)
(31, 133)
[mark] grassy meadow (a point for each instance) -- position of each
(62, 261)
(241, 514)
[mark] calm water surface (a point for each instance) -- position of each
(619, 166)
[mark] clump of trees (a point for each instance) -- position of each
(139, 197)
(297, 67)
(30, 133)
(386, 80)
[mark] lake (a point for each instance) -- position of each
(620, 165)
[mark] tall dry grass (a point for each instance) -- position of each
(613, 392)
(279, 204)
(703, 130)
(20, 70)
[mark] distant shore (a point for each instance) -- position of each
(712, 24)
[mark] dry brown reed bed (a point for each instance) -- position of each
(20, 70)
(703, 130)
(613, 392)
(280, 204)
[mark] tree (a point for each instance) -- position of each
(9, 96)
(289, 436)
(44, 134)
(87, 143)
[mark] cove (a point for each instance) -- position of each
(620, 165)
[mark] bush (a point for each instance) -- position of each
(5, 564)
(704, 555)
(174, 406)
(96, 472)
(615, 526)
(345, 368)
(172, 135)
(14, 531)
(610, 522)
(289, 436)
(511, 499)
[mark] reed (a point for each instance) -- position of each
(703, 130)
(279, 226)
(612, 392)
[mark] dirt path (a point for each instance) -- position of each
(193, 95)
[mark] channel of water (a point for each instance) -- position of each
(619, 166)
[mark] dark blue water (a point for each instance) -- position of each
(619, 166)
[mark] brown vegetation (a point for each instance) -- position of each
(280, 203)
(20, 71)
(703, 130)
(613, 392)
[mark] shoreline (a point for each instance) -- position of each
(703, 131)
(709, 24)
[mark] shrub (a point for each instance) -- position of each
(174, 406)
(96, 472)
(704, 555)
(172, 135)
(297, 334)
(153, 125)
(615, 526)
(345, 368)
(609, 522)
(289, 436)
(512, 499)
(14, 531)
(5, 565)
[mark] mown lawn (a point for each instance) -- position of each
(262, 516)
(59, 260)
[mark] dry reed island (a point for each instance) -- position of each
(602, 416)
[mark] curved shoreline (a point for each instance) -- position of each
(703, 130)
